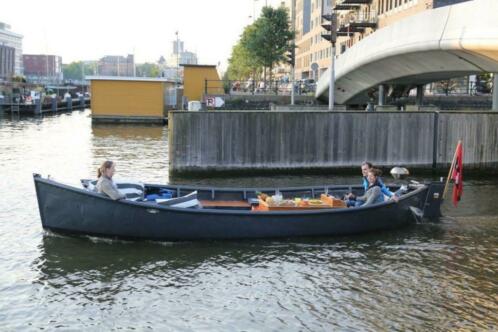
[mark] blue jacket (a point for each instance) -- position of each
(383, 187)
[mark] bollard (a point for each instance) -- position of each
(82, 102)
(38, 106)
(69, 104)
(495, 92)
(54, 104)
(382, 95)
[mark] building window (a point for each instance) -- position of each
(306, 16)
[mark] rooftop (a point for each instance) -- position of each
(128, 78)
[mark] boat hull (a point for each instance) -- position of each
(72, 210)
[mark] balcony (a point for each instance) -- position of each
(341, 6)
(347, 30)
(364, 20)
(356, 2)
(361, 20)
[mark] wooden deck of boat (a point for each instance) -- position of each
(225, 204)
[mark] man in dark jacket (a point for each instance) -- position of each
(352, 200)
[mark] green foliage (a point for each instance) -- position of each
(447, 86)
(19, 79)
(241, 64)
(148, 70)
(76, 70)
(484, 83)
(262, 44)
(271, 37)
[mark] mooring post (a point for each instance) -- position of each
(54, 104)
(38, 108)
(69, 103)
(495, 92)
(420, 95)
(382, 95)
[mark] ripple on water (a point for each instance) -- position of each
(439, 276)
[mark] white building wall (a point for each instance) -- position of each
(11, 39)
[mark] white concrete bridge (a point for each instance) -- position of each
(434, 45)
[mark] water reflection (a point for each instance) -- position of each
(128, 131)
(425, 275)
(141, 151)
(65, 255)
(439, 276)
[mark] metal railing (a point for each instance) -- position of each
(451, 88)
(258, 87)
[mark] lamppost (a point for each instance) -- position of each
(254, 10)
(332, 37)
(177, 59)
(293, 64)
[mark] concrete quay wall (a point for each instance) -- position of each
(301, 141)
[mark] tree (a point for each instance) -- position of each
(148, 70)
(242, 64)
(270, 38)
(484, 83)
(262, 44)
(77, 69)
(447, 86)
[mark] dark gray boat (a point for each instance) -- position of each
(72, 210)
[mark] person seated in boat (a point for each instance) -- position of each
(373, 194)
(365, 167)
(105, 184)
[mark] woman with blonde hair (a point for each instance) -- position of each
(105, 185)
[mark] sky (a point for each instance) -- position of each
(91, 29)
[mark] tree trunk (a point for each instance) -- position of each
(271, 76)
(264, 75)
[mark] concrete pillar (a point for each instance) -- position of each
(420, 95)
(382, 95)
(495, 92)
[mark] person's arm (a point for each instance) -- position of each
(109, 190)
(365, 184)
(384, 189)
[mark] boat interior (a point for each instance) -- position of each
(255, 199)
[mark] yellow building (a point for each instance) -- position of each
(356, 20)
(128, 99)
(201, 80)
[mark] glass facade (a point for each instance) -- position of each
(306, 16)
(11, 39)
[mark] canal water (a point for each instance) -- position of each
(434, 276)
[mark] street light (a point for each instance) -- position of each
(332, 37)
(177, 59)
(254, 10)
